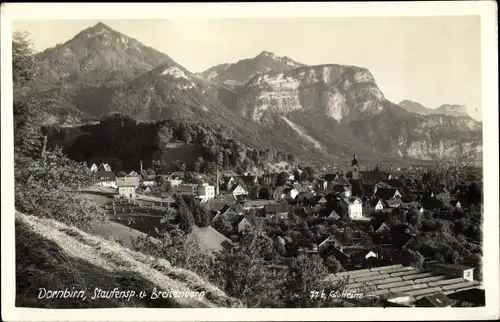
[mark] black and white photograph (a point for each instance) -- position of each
(250, 162)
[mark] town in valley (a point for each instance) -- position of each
(260, 183)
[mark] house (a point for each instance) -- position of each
(257, 204)
(382, 228)
(321, 184)
(434, 300)
(104, 167)
(354, 207)
(249, 179)
(243, 225)
(468, 298)
(187, 189)
(330, 241)
(133, 174)
(206, 192)
(318, 200)
(105, 179)
(441, 193)
(333, 215)
(455, 270)
(344, 190)
(456, 204)
(394, 183)
(148, 181)
(387, 193)
(392, 203)
(93, 168)
(409, 205)
(279, 210)
(228, 214)
(290, 193)
(362, 252)
(377, 204)
(369, 189)
(308, 249)
(238, 190)
(126, 186)
(307, 184)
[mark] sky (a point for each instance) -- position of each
(432, 60)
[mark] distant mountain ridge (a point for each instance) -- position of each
(239, 73)
(445, 109)
(329, 110)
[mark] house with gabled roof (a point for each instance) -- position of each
(93, 168)
(126, 186)
(133, 174)
(387, 193)
(434, 300)
(238, 190)
(243, 225)
(105, 179)
(279, 210)
(392, 203)
(377, 204)
(343, 189)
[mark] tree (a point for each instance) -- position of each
(165, 135)
(27, 111)
(412, 258)
(150, 172)
(282, 178)
(307, 173)
(45, 188)
(186, 219)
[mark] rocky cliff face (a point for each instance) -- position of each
(351, 114)
(339, 92)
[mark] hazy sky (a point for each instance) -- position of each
(430, 60)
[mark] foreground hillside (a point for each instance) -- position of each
(54, 256)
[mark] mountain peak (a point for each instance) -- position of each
(266, 53)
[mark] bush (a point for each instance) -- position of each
(46, 187)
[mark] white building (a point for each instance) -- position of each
(206, 192)
(354, 208)
(126, 187)
(238, 190)
(106, 179)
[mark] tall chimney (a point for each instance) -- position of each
(141, 168)
(217, 183)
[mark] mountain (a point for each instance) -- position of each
(76, 78)
(323, 111)
(414, 107)
(239, 73)
(452, 109)
(340, 109)
(446, 109)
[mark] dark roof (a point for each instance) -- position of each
(369, 189)
(394, 183)
(373, 176)
(393, 203)
(385, 193)
(374, 202)
(340, 188)
(248, 179)
(475, 295)
(234, 187)
(276, 208)
(434, 300)
(105, 176)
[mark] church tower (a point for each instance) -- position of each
(354, 165)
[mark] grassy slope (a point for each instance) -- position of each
(55, 256)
